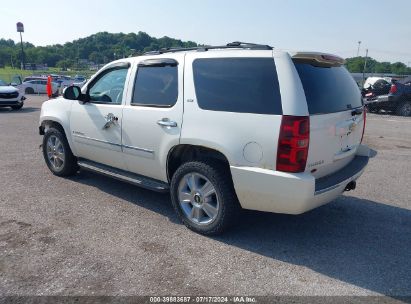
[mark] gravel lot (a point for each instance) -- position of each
(91, 235)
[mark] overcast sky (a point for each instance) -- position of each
(383, 26)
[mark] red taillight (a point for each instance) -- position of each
(293, 143)
(364, 118)
(393, 89)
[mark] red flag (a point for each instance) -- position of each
(49, 88)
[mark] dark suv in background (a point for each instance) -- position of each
(397, 99)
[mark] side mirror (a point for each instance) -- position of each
(72, 93)
(13, 84)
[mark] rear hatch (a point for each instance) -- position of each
(336, 112)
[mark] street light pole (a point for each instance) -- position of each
(20, 29)
(22, 52)
(365, 66)
(358, 50)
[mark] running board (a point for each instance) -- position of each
(132, 178)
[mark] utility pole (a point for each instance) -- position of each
(365, 66)
(22, 52)
(358, 50)
(20, 29)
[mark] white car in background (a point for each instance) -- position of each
(10, 96)
(79, 81)
(76, 81)
(263, 130)
(370, 81)
(38, 86)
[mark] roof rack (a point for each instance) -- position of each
(231, 45)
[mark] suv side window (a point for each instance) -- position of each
(156, 86)
(109, 87)
(242, 85)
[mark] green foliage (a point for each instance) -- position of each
(100, 48)
(356, 65)
(104, 47)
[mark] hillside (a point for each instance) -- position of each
(104, 47)
(100, 48)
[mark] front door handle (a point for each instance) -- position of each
(166, 122)
(111, 120)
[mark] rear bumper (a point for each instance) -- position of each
(279, 192)
(382, 101)
(385, 98)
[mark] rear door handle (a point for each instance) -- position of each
(166, 122)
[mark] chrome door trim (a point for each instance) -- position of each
(138, 149)
(97, 140)
(114, 144)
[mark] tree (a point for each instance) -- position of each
(399, 68)
(96, 57)
(356, 65)
(99, 48)
(383, 67)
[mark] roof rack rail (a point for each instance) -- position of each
(204, 48)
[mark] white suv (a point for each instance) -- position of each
(221, 128)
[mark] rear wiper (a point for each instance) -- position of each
(357, 111)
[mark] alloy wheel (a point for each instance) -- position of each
(198, 198)
(55, 152)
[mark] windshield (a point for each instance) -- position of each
(3, 83)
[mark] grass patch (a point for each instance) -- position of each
(8, 73)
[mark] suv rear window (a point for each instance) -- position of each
(243, 85)
(328, 89)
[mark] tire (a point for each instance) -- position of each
(17, 107)
(218, 194)
(29, 91)
(57, 153)
(404, 109)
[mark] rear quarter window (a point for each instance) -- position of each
(243, 85)
(328, 89)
